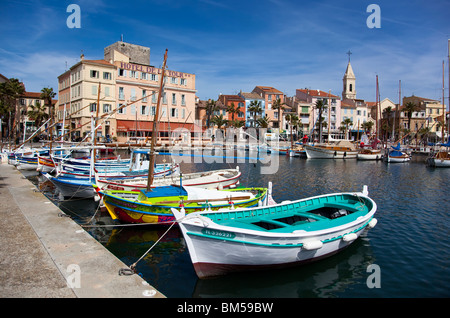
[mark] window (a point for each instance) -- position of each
(164, 98)
(174, 98)
(153, 111)
(106, 108)
(183, 100)
(351, 88)
(133, 109)
(122, 72)
(143, 109)
(154, 97)
(133, 74)
(107, 75)
(144, 93)
(173, 112)
(94, 74)
(94, 89)
(173, 80)
(121, 93)
(183, 113)
(183, 81)
(93, 107)
(269, 97)
(144, 76)
(107, 91)
(120, 109)
(154, 77)
(133, 94)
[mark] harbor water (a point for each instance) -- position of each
(405, 255)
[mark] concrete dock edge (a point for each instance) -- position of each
(43, 255)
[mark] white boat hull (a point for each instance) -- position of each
(219, 249)
(313, 152)
(443, 163)
(375, 155)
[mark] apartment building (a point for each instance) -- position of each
(332, 113)
(238, 103)
(129, 88)
(270, 96)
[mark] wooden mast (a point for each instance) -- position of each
(155, 128)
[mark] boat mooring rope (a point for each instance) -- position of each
(132, 269)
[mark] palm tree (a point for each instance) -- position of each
(211, 107)
(410, 107)
(47, 95)
(10, 92)
(38, 114)
(263, 122)
(278, 105)
(347, 122)
(320, 106)
(219, 121)
(232, 110)
(254, 109)
(367, 126)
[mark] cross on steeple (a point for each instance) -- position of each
(349, 53)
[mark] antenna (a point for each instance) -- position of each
(121, 38)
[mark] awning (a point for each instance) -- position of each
(131, 125)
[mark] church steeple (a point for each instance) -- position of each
(349, 91)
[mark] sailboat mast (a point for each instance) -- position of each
(376, 112)
(443, 102)
(155, 128)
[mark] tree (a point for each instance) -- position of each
(10, 92)
(254, 109)
(278, 105)
(263, 122)
(232, 110)
(47, 95)
(409, 108)
(219, 121)
(211, 107)
(367, 126)
(320, 106)
(38, 114)
(347, 122)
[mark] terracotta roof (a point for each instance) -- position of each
(251, 96)
(269, 89)
(99, 62)
(317, 92)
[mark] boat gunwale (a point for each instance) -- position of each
(189, 220)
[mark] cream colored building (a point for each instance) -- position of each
(128, 95)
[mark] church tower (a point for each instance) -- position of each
(349, 91)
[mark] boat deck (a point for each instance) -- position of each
(310, 215)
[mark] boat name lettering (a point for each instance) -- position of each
(218, 233)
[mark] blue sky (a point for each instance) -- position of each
(236, 45)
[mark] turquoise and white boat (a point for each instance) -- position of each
(282, 235)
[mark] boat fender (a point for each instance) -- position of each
(97, 198)
(345, 153)
(335, 153)
(349, 237)
(372, 223)
(312, 245)
(365, 190)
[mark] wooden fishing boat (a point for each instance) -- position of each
(155, 206)
(80, 185)
(282, 235)
(215, 179)
(440, 159)
(369, 154)
(340, 150)
(396, 155)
